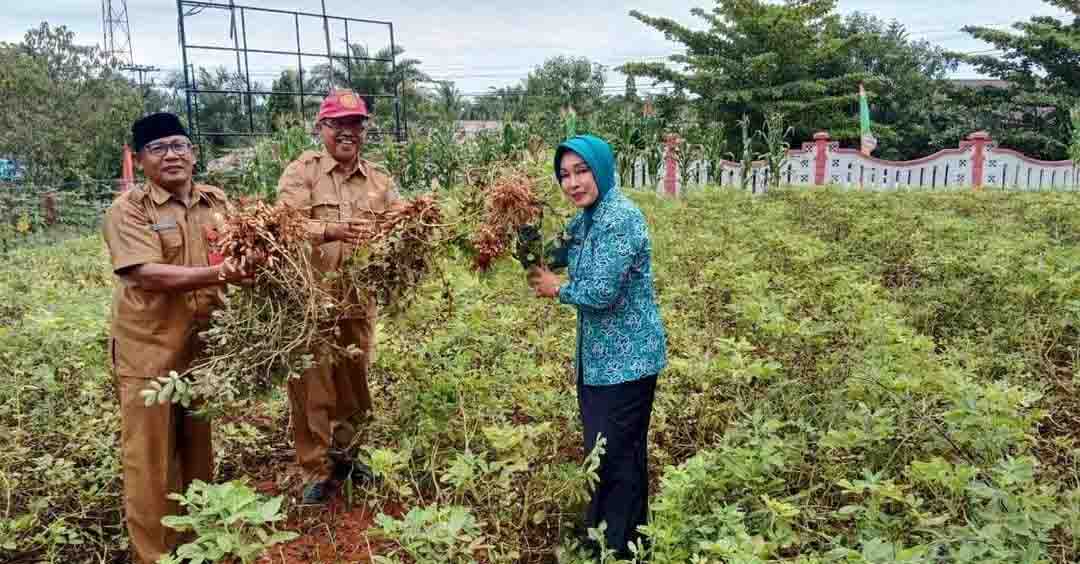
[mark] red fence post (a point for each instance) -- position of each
(127, 169)
(821, 142)
(671, 165)
(979, 139)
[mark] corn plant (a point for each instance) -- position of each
(776, 146)
(628, 146)
(1074, 145)
(445, 155)
(483, 149)
(513, 140)
(713, 143)
(652, 142)
(746, 161)
(268, 160)
(408, 163)
(686, 154)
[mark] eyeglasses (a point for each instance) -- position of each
(337, 124)
(181, 148)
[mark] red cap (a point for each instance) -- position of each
(342, 103)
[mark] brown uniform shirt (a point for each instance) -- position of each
(316, 182)
(155, 332)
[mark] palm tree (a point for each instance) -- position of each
(287, 103)
(448, 100)
(373, 74)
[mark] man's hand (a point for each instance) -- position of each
(348, 232)
(232, 273)
(544, 282)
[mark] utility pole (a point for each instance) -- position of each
(117, 35)
(142, 70)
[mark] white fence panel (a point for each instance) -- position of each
(1010, 170)
(977, 162)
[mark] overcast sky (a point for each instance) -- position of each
(477, 44)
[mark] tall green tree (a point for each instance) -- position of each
(564, 83)
(631, 89)
(1041, 62)
(67, 109)
(224, 114)
(912, 104)
(756, 57)
(166, 95)
(487, 107)
(513, 102)
(284, 101)
(448, 100)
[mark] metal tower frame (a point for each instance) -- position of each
(117, 31)
(238, 36)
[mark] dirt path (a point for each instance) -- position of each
(332, 534)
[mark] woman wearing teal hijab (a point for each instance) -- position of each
(621, 345)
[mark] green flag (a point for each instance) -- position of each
(869, 142)
(570, 122)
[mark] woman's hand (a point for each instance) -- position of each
(544, 282)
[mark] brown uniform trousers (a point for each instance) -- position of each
(330, 401)
(163, 447)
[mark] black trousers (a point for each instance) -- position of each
(620, 413)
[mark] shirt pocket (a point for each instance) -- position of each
(372, 197)
(326, 208)
(172, 243)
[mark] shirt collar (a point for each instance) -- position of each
(160, 195)
(329, 164)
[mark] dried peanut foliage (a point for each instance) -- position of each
(254, 227)
(287, 317)
(510, 204)
(267, 330)
(396, 254)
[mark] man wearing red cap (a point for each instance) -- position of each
(334, 185)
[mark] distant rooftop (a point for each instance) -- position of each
(980, 82)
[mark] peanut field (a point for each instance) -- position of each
(853, 378)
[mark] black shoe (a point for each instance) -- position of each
(317, 492)
(359, 472)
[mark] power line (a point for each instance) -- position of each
(512, 71)
(142, 71)
(464, 71)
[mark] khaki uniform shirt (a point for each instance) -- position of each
(155, 332)
(317, 183)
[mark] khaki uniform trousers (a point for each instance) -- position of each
(331, 401)
(164, 448)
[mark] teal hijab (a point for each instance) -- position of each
(601, 160)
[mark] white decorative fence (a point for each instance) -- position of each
(978, 163)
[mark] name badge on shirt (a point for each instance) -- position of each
(170, 224)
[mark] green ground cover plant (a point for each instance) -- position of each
(854, 377)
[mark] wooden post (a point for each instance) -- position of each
(821, 159)
(48, 208)
(979, 139)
